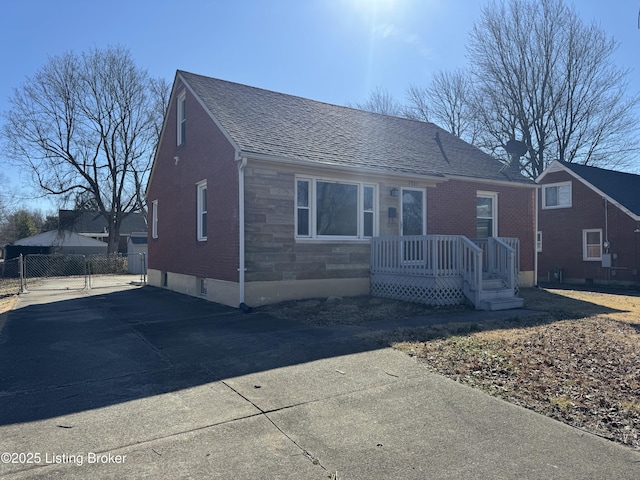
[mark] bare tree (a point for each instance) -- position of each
(380, 101)
(447, 102)
(543, 76)
(87, 126)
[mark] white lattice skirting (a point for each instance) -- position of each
(442, 290)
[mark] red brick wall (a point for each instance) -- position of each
(562, 236)
(206, 154)
(451, 210)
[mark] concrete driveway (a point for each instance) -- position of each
(143, 383)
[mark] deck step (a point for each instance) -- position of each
(502, 303)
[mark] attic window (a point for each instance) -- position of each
(557, 195)
(181, 119)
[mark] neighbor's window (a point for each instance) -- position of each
(592, 244)
(154, 219)
(486, 221)
(556, 195)
(326, 208)
(201, 189)
(181, 119)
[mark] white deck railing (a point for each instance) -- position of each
(431, 255)
(446, 256)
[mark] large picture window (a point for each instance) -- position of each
(326, 208)
(557, 195)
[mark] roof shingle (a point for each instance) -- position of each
(264, 122)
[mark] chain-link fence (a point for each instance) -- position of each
(10, 276)
(55, 272)
(77, 272)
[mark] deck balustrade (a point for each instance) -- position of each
(441, 269)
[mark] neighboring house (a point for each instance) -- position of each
(56, 241)
(589, 225)
(259, 197)
(94, 225)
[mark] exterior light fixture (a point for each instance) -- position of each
(394, 192)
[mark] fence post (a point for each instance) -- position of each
(23, 287)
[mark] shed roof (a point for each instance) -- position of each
(263, 122)
(59, 238)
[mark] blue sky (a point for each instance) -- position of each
(335, 51)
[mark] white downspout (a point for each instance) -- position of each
(241, 267)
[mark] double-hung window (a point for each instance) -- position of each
(592, 244)
(154, 219)
(181, 119)
(486, 214)
(556, 195)
(201, 199)
(334, 209)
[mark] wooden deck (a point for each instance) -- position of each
(446, 270)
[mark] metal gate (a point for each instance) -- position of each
(55, 272)
(78, 272)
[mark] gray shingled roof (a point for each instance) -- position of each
(622, 187)
(270, 123)
(94, 222)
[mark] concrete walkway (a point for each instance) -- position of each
(143, 383)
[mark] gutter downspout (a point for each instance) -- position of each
(241, 260)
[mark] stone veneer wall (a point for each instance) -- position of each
(272, 252)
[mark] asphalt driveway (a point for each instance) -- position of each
(143, 383)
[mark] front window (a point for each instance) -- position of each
(556, 195)
(326, 208)
(486, 206)
(202, 210)
(592, 245)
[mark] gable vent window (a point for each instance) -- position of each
(201, 189)
(182, 122)
(332, 209)
(556, 195)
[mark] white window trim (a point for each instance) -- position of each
(154, 219)
(201, 209)
(180, 117)
(313, 235)
(556, 185)
(494, 209)
(584, 245)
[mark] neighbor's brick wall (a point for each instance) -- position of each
(206, 154)
(562, 236)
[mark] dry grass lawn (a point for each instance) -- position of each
(577, 360)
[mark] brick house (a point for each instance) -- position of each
(589, 225)
(257, 197)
